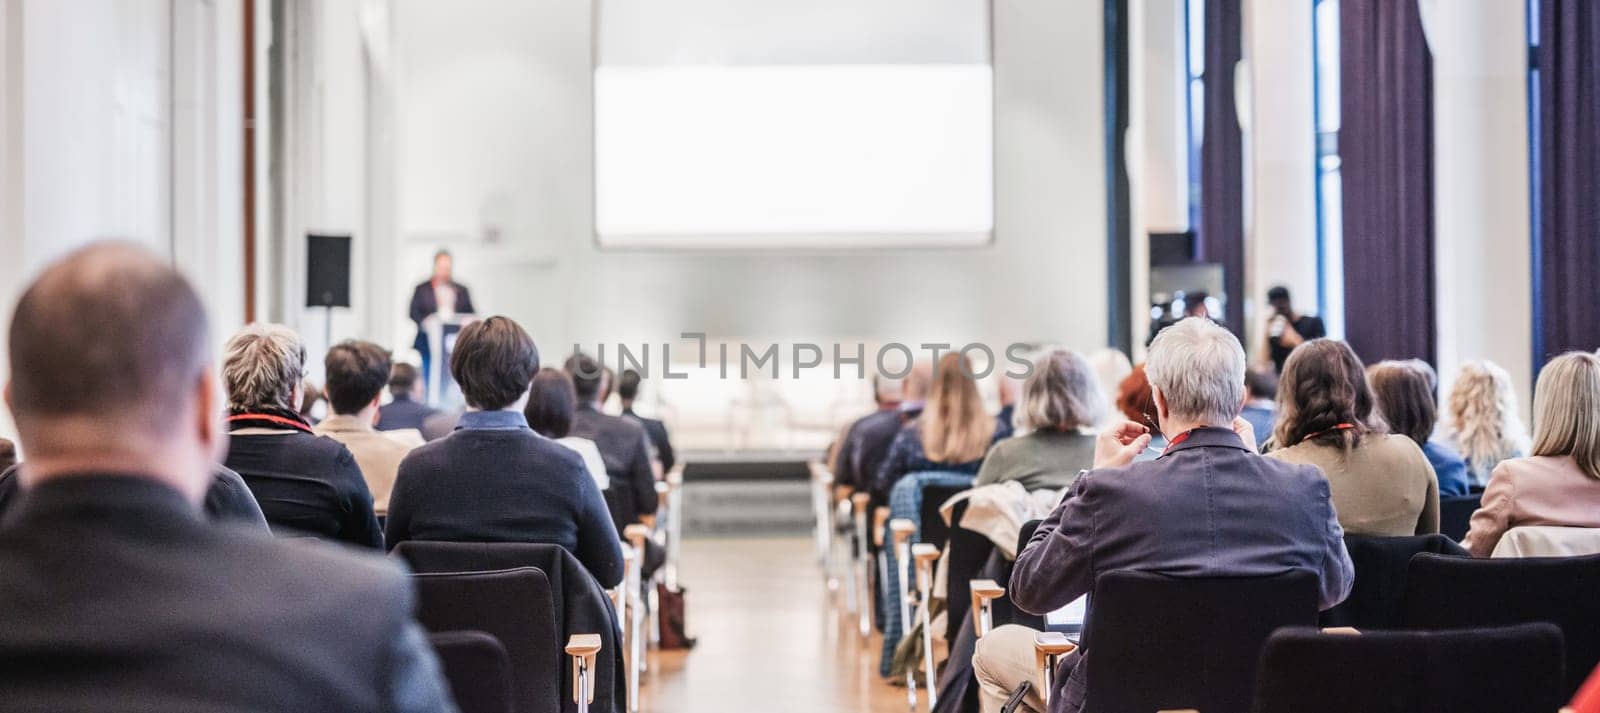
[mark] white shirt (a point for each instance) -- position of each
(591, 459)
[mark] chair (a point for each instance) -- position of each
(925, 555)
(1157, 642)
(931, 527)
(1455, 515)
(965, 554)
(1377, 600)
(477, 668)
(1516, 668)
(1548, 541)
(1457, 593)
(517, 608)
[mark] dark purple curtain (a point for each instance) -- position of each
(1386, 143)
(1567, 296)
(1222, 156)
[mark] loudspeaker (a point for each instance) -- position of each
(327, 270)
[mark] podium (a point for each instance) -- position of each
(441, 331)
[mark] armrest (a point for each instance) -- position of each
(880, 516)
(583, 648)
(860, 501)
(636, 534)
(983, 592)
(1342, 631)
(1048, 647)
(901, 530)
(662, 488)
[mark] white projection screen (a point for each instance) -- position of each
(759, 124)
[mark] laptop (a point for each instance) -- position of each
(1069, 619)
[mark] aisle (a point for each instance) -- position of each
(767, 639)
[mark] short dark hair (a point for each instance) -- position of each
(402, 377)
(551, 402)
(493, 362)
(628, 385)
(1278, 292)
(356, 374)
(586, 376)
(1261, 383)
(109, 329)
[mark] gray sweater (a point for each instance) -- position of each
(1042, 460)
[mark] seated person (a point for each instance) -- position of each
(228, 499)
(551, 403)
(952, 434)
(627, 392)
(1061, 403)
(355, 372)
(1484, 427)
(494, 479)
(623, 444)
(1261, 409)
(1160, 516)
(864, 443)
(1382, 483)
(1137, 405)
(118, 595)
(1559, 484)
(306, 484)
(1403, 397)
(405, 408)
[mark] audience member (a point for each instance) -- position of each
(306, 484)
(623, 444)
(627, 392)
(1483, 424)
(1061, 403)
(1111, 366)
(356, 372)
(494, 479)
(1164, 516)
(439, 424)
(1287, 328)
(1403, 396)
(405, 408)
(952, 434)
(117, 594)
(1382, 483)
(1008, 391)
(1137, 404)
(865, 442)
(551, 402)
(1559, 484)
(1260, 406)
(310, 398)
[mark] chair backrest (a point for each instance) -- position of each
(931, 527)
(1155, 642)
(1455, 514)
(1548, 541)
(514, 606)
(1377, 600)
(1026, 533)
(1456, 593)
(477, 668)
(1515, 668)
(965, 554)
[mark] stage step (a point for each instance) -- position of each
(765, 507)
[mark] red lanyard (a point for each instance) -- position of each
(291, 423)
(1326, 431)
(1177, 439)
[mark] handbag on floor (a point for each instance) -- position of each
(674, 633)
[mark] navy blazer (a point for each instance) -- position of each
(1208, 507)
(424, 303)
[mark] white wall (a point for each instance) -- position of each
(1483, 275)
(117, 125)
(492, 102)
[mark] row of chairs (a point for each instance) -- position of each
(503, 616)
(1444, 632)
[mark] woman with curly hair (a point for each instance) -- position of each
(1381, 483)
(1482, 419)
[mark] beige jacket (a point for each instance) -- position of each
(1385, 487)
(378, 455)
(1537, 490)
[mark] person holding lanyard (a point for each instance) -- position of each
(441, 298)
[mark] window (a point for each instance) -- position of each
(1330, 219)
(1195, 62)
(1535, 182)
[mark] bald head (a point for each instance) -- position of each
(110, 337)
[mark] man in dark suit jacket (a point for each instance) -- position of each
(440, 293)
(117, 593)
(627, 391)
(406, 409)
(1210, 506)
(228, 498)
(623, 445)
(494, 479)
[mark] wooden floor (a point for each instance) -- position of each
(768, 640)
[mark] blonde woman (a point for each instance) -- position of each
(1061, 403)
(1483, 424)
(952, 434)
(1560, 483)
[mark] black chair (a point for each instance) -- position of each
(931, 527)
(1515, 668)
(965, 554)
(516, 607)
(1377, 600)
(1457, 593)
(477, 668)
(1155, 642)
(1455, 515)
